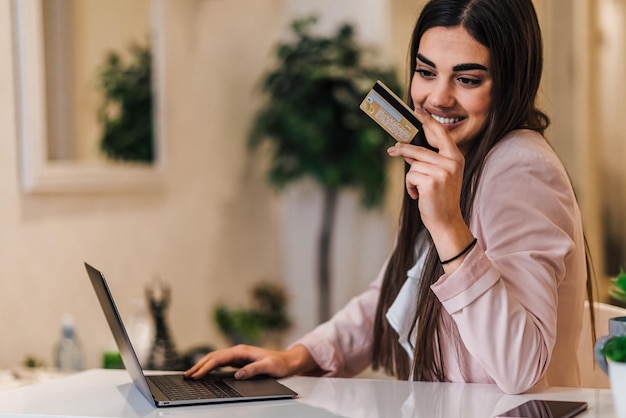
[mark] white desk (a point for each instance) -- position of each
(110, 393)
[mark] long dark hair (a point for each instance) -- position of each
(509, 29)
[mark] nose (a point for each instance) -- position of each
(442, 94)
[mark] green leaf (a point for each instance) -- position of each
(618, 286)
(267, 312)
(615, 349)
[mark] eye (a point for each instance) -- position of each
(470, 82)
(425, 73)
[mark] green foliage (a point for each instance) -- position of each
(33, 362)
(615, 349)
(126, 112)
(312, 118)
(618, 287)
(268, 312)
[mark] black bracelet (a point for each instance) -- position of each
(466, 249)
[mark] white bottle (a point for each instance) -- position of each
(68, 355)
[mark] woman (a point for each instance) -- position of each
(488, 276)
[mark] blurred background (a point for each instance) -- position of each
(199, 213)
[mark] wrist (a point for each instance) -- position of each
(461, 253)
(299, 360)
(452, 239)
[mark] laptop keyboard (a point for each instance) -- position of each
(177, 388)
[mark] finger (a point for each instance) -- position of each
(234, 356)
(436, 133)
(190, 371)
(264, 366)
(207, 364)
(412, 189)
(410, 153)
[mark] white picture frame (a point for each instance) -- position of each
(38, 174)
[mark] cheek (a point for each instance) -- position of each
(417, 91)
(478, 104)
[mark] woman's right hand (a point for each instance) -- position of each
(253, 361)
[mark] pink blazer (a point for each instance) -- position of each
(518, 297)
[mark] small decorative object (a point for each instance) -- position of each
(610, 349)
(266, 316)
(163, 355)
(126, 112)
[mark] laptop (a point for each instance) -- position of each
(172, 389)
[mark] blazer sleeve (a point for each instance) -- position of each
(503, 298)
(342, 346)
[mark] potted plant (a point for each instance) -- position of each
(615, 351)
(315, 129)
(266, 317)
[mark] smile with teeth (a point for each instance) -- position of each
(446, 121)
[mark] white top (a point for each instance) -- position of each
(402, 311)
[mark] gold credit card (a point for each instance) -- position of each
(395, 116)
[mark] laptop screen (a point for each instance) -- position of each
(129, 357)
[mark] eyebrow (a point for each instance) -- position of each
(458, 67)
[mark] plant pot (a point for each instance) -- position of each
(617, 377)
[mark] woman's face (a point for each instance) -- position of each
(452, 82)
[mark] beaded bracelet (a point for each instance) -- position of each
(466, 249)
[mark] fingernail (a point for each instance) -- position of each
(240, 374)
(390, 150)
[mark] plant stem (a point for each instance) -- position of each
(324, 252)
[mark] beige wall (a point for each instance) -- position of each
(584, 85)
(215, 227)
(611, 91)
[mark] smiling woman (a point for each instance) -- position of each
(61, 46)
